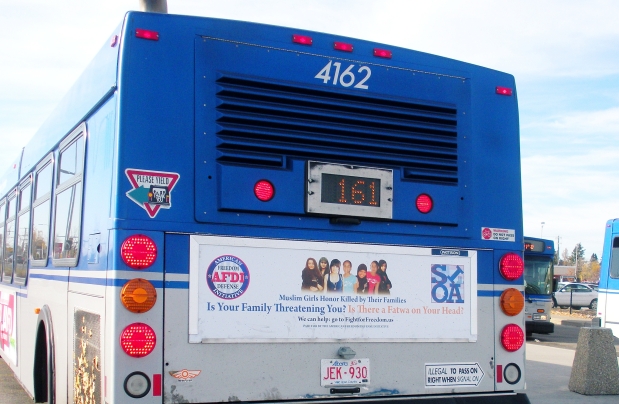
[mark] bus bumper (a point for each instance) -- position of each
(540, 327)
(473, 398)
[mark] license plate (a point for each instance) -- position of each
(344, 372)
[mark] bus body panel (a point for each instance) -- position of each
(216, 364)
(608, 295)
(177, 108)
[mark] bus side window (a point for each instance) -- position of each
(68, 213)
(23, 231)
(22, 241)
(614, 259)
(2, 220)
(41, 211)
(9, 239)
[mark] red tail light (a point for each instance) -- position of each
(424, 203)
(138, 251)
(264, 190)
(512, 337)
(511, 266)
(138, 340)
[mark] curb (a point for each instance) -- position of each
(576, 323)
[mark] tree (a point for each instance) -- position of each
(576, 257)
(578, 253)
(565, 258)
(590, 271)
(594, 258)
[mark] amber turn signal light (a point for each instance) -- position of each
(138, 295)
(512, 301)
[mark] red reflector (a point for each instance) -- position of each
(157, 385)
(499, 373)
(382, 53)
(511, 266)
(504, 90)
(138, 340)
(346, 47)
(302, 39)
(138, 251)
(512, 337)
(264, 190)
(424, 203)
(146, 34)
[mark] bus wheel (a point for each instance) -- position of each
(43, 367)
(594, 304)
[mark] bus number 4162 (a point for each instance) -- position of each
(345, 78)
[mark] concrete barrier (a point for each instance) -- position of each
(595, 370)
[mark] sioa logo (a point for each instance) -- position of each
(227, 277)
(447, 284)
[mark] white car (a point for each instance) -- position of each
(582, 296)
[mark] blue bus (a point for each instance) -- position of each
(538, 283)
(228, 211)
(608, 293)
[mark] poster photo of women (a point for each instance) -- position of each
(335, 276)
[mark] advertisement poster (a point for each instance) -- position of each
(264, 290)
(8, 329)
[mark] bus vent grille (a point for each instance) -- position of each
(263, 123)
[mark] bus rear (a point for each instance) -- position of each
(250, 155)
(538, 281)
(608, 294)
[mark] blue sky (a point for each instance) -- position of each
(563, 53)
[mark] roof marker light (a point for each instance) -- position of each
(341, 46)
(146, 34)
(504, 90)
(302, 39)
(382, 53)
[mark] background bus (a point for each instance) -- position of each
(158, 227)
(608, 293)
(538, 281)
